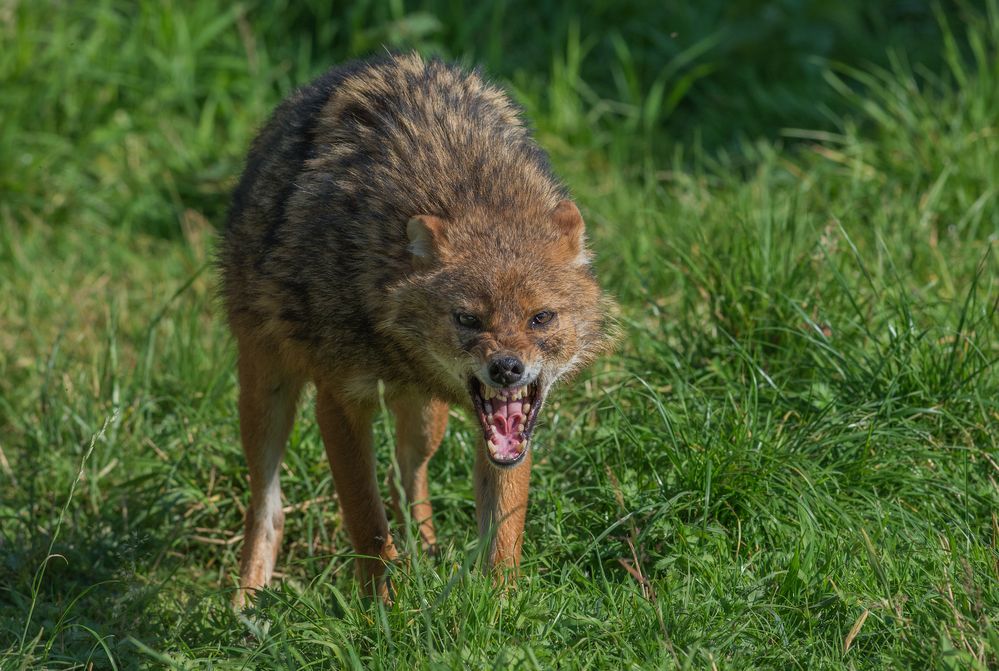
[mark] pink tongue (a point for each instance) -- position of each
(507, 415)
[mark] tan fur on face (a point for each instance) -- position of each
(542, 276)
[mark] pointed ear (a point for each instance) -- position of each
(569, 223)
(426, 237)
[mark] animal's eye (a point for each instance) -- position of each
(542, 318)
(465, 320)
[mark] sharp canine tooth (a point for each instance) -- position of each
(526, 408)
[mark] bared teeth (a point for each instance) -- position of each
(526, 408)
(489, 409)
(520, 428)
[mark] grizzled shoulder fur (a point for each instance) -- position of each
(442, 139)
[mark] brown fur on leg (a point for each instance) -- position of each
(419, 430)
(268, 396)
(346, 430)
(501, 507)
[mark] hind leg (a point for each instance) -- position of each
(419, 429)
(268, 396)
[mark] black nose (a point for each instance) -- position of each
(506, 370)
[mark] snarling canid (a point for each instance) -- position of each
(397, 222)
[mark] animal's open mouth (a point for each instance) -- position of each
(507, 418)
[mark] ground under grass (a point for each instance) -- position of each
(791, 461)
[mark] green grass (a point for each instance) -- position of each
(791, 462)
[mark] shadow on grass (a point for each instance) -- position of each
(104, 582)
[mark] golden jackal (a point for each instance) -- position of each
(397, 222)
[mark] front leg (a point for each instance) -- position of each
(501, 506)
(420, 426)
(346, 431)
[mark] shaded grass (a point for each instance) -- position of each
(791, 462)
